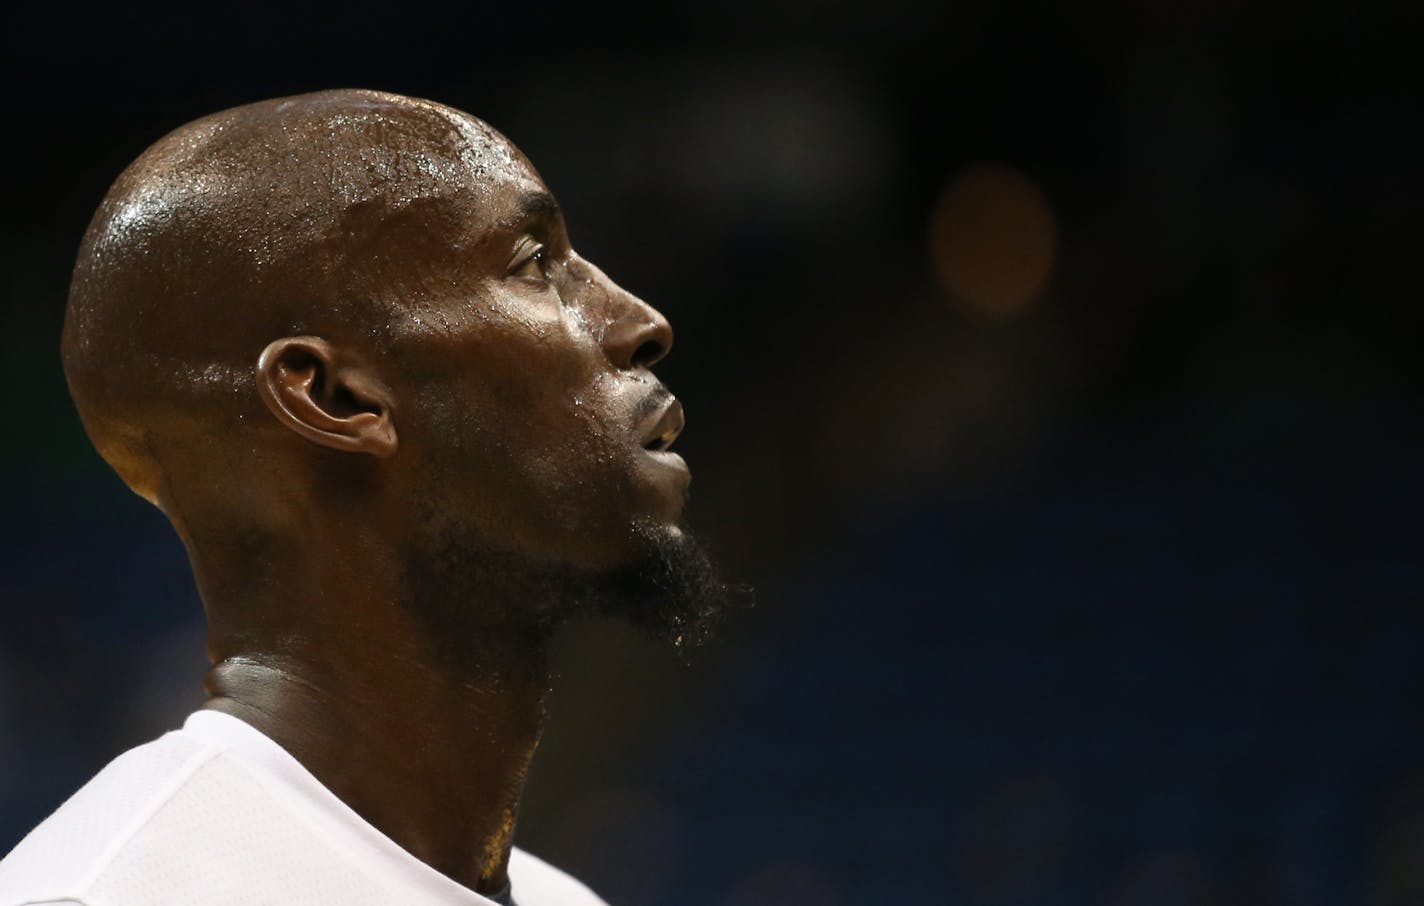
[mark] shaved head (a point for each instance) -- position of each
(290, 216)
(354, 322)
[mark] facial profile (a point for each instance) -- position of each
(361, 315)
(344, 342)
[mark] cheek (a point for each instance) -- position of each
(576, 463)
(524, 451)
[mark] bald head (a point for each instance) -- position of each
(345, 343)
(352, 319)
(297, 215)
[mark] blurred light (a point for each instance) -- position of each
(776, 143)
(785, 141)
(992, 240)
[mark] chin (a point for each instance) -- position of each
(672, 590)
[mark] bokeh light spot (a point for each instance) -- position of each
(992, 240)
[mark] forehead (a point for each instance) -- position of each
(482, 151)
(302, 170)
(482, 170)
(428, 150)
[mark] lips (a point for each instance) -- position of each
(665, 428)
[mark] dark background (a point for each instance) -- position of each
(1051, 370)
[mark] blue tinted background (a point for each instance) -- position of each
(1106, 594)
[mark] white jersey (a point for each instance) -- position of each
(218, 814)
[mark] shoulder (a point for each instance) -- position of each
(70, 847)
(537, 883)
(183, 820)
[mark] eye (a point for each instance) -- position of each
(529, 262)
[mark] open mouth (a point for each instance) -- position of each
(666, 430)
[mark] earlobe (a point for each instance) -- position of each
(314, 389)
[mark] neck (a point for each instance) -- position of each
(430, 748)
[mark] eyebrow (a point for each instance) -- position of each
(533, 207)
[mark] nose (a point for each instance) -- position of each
(637, 336)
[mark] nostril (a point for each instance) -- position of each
(638, 336)
(647, 353)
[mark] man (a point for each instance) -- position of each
(404, 430)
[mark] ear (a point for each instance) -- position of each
(326, 397)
